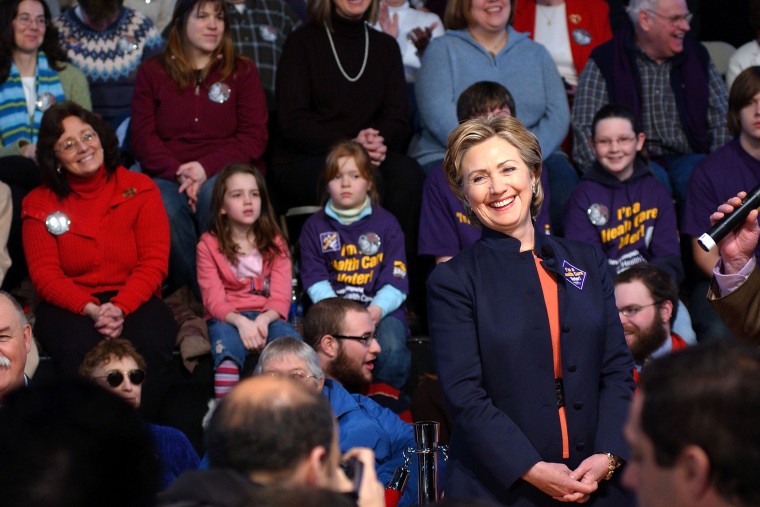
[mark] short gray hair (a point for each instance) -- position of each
(20, 315)
(287, 346)
(636, 6)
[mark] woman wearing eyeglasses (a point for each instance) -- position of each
(33, 76)
(119, 368)
(96, 238)
(527, 341)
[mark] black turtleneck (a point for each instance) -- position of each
(317, 106)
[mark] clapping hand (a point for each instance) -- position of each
(388, 24)
(421, 37)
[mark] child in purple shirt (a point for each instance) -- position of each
(354, 249)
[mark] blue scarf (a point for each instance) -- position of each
(15, 122)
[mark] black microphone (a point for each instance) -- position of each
(731, 221)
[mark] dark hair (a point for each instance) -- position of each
(72, 443)
(268, 430)
(659, 283)
(265, 229)
(100, 10)
(55, 54)
(357, 152)
(615, 111)
(298, 496)
(754, 14)
(708, 396)
(478, 130)
(175, 58)
(327, 317)
(319, 12)
(480, 98)
(51, 128)
(743, 90)
(457, 14)
(104, 351)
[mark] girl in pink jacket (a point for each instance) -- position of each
(244, 273)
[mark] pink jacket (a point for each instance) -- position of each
(223, 293)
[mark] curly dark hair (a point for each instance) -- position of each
(107, 349)
(54, 52)
(51, 129)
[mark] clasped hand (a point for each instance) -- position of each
(565, 485)
(108, 319)
(253, 333)
(191, 177)
(374, 143)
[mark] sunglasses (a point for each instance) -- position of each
(115, 378)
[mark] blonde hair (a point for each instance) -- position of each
(356, 151)
(478, 130)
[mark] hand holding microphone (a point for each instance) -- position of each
(736, 230)
(732, 218)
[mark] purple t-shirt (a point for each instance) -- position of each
(718, 177)
(632, 221)
(357, 259)
(445, 227)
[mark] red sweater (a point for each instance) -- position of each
(118, 241)
(171, 127)
(587, 17)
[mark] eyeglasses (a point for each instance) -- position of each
(70, 144)
(631, 311)
(295, 375)
(365, 340)
(621, 141)
(26, 20)
(674, 20)
(115, 377)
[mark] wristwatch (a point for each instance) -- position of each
(613, 463)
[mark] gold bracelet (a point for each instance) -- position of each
(613, 463)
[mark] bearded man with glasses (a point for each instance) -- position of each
(647, 302)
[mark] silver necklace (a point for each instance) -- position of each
(337, 60)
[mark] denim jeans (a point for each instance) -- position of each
(679, 169)
(226, 342)
(395, 360)
(186, 227)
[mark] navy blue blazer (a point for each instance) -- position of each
(492, 348)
